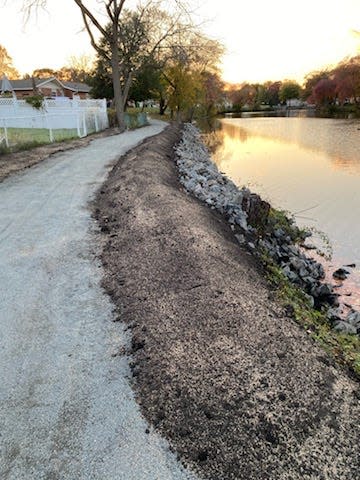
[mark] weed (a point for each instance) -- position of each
(345, 349)
(281, 219)
(4, 149)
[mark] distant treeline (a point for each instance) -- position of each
(329, 90)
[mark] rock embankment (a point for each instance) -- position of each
(239, 390)
(250, 217)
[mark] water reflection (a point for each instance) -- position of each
(339, 139)
(284, 112)
(302, 165)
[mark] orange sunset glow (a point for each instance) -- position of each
(263, 40)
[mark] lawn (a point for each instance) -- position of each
(18, 136)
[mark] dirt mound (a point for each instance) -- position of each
(238, 388)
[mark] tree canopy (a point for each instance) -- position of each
(161, 58)
(339, 85)
(78, 69)
(289, 90)
(104, 20)
(6, 65)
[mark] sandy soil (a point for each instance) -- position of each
(238, 388)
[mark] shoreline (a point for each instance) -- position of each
(325, 215)
(264, 231)
(219, 368)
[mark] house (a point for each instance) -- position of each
(49, 88)
(295, 103)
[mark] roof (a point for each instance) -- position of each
(23, 84)
(79, 87)
(27, 84)
(5, 85)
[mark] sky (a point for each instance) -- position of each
(264, 40)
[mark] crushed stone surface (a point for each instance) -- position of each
(67, 409)
(239, 390)
(15, 162)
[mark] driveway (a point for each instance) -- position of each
(67, 410)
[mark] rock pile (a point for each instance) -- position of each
(249, 217)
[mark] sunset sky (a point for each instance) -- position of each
(265, 40)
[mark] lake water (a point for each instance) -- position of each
(307, 166)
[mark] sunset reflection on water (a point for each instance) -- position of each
(310, 167)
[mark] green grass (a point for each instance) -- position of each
(345, 349)
(152, 112)
(42, 135)
(283, 219)
(26, 138)
(156, 115)
(132, 116)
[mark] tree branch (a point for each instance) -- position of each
(170, 82)
(117, 10)
(88, 15)
(96, 47)
(30, 5)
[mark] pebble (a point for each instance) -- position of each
(341, 274)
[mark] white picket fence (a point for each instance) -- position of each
(56, 120)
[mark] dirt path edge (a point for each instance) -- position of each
(12, 163)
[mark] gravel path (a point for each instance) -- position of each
(67, 410)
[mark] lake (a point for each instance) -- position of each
(307, 166)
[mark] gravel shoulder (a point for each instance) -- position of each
(238, 389)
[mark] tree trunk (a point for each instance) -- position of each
(34, 89)
(118, 95)
(162, 106)
(191, 113)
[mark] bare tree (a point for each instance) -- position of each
(108, 25)
(80, 63)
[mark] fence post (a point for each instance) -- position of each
(96, 122)
(84, 125)
(51, 134)
(15, 104)
(78, 124)
(6, 134)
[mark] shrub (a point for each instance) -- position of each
(36, 101)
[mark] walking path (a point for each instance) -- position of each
(67, 411)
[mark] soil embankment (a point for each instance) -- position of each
(238, 388)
